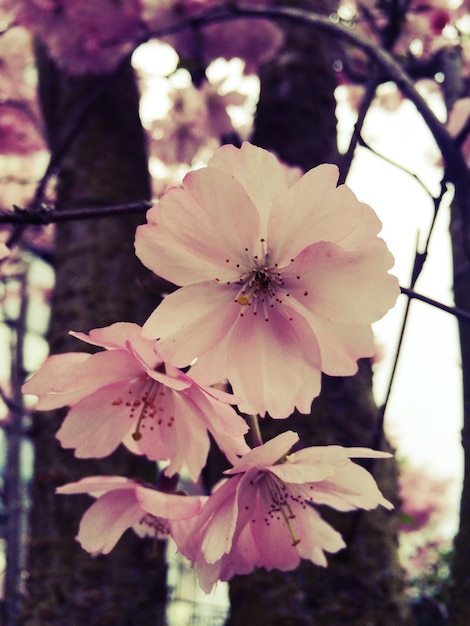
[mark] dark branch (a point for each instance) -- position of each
(460, 314)
(43, 216)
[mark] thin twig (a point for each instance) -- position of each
(391, 68)
(460, 314)
(43, 216)
(347, 157)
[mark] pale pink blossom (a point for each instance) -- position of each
(122, 503)
(279, 283)
(127, 394)
(424, 498)
(82, 36)
(253, 40)
(264, 515)
(196, 117)
(183, 131)
(18, 131)
(217, 101)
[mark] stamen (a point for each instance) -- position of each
(148, 402)
(284, 508)
(242, 299)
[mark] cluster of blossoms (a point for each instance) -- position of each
(280, 280)
(197, 118)
(85, 36)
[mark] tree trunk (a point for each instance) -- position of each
(98, 281)
(459, 604)
(362, 585)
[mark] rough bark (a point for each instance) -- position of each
(98, 281)
(459, 605)
(363, 584)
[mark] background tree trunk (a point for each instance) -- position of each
(363, 584)
(98, 281)
(459, 605)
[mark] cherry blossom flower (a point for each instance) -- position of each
(278, 283)
(82, 36)
(18, 133)
(178, 136)
(122, 503)
(127, 394)
(265, 516)
(424, 498)
(253, 40)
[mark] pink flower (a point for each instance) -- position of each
(264, 515)
(18, 134)
(127, 394)
(123, 503)
(279, 283)
(424, 498)
(253, 40)
(183, 131)
(82, 36)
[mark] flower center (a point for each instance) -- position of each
(260, 287)
(146, 401)
(279, 508)
(155, 526)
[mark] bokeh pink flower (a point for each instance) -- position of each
(279, 283)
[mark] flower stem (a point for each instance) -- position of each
(256, 438)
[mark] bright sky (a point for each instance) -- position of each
(424, 415)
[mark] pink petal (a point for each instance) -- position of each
(266, 455)
(350, 487)
(107, 519)
(274, 543)
(97, 485)
(340, 345)
(344, 287)
(298, 472)
(191, 321)
(172, 377)
(212, 367)
(177, 434)
(114, 336)
(333, 454)
(96, 425)
(258, 171)
(281, 365)
(168, 506)
(200, 232)
(318, 537)
(214, 527)
(42, 383)
(100, 369)
(312, 209)
(157, 250)
(368, 227)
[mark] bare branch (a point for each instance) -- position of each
(44, 215)
(460, 314)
